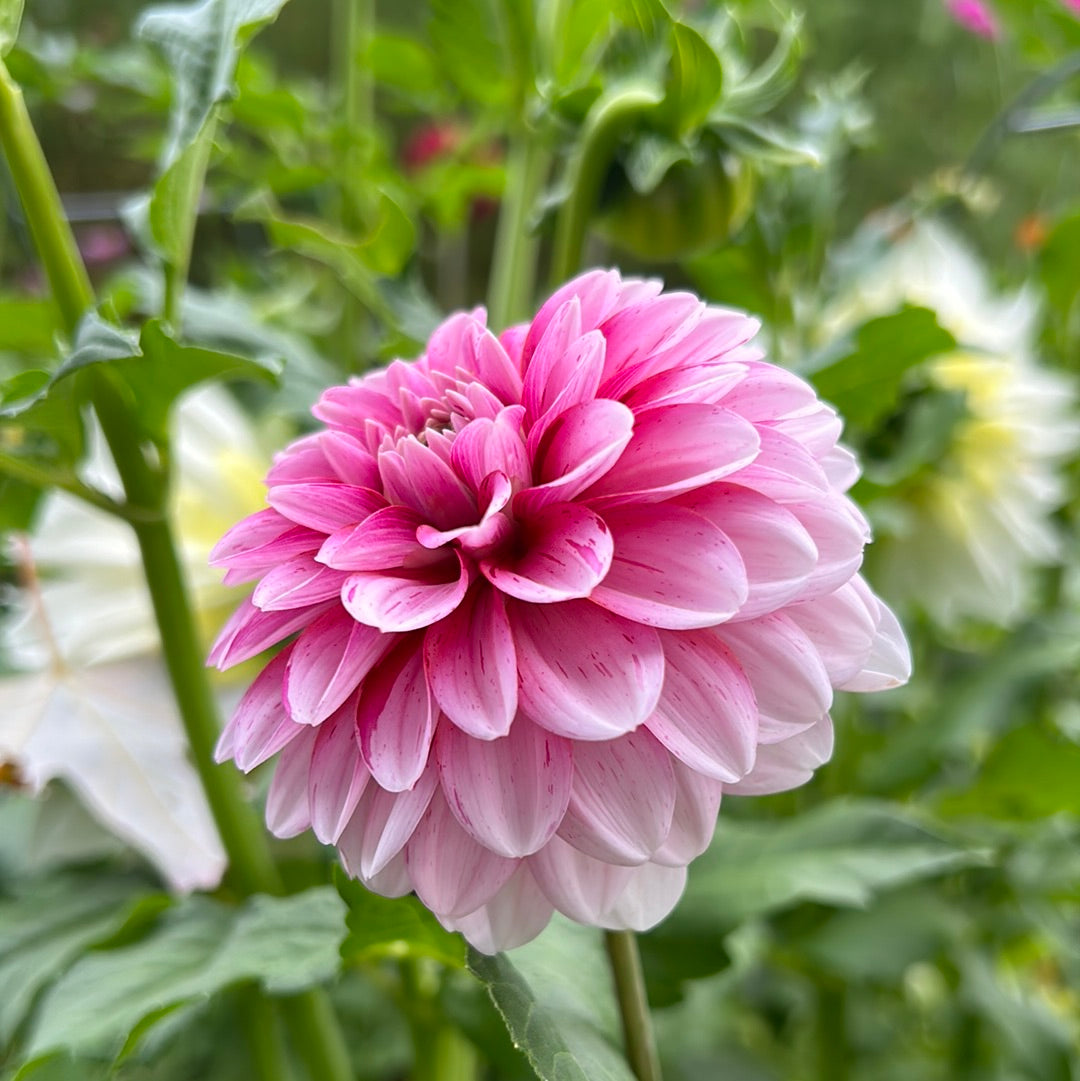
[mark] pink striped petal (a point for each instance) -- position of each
(327, 664)
(386, 538)
(406, 601)
(485, 446)
(350, 460)
(325, 506)
(509, 793)
(783, 470)
(299, 583)
(514, 916)
(622, 801)
(672, 568)
(453, 874)
(596, 291)
(839, 532)
(646, 899)
(583, 672)
(889, 662)
(789, 763)
(301, 461)
(249, 631)
(568, 552)
(768, 392)
(698, 383)
(547, 370)
(574, 380)
(707, 715)
(697, 803)
(495, 368)
(287, 799)
(842, 626)
(577, 885)
(416, 476)
(338, 775)
(472, 664)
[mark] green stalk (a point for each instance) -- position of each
(604, 127)
(33, 474)
(633, 1004)
(513, 270)
(263, 1029)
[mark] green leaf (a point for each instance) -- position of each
(10, 16)
(199, 948)
(406, 65)
(27, 324)
(465, 37)
(842, 853)
(694, 82)
(579, 42)
(39, 421)
(556, 998)
(398, 927)
(649, 159)
(18, 501)
(864, 374)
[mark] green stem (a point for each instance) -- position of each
(262, 1027)
(317, 1036)
(513, 270)
(45, 478)
(633, 1004)
(832, 1037)
(604, 127)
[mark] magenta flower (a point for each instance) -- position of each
(976, 16)
(556, 591)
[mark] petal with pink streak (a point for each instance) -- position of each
(301, 461)
(573, 378)
(287, 799)
(637, 333)
(697, 803)
(889, 662)
(514, 916)
(783, 470)
(568, 550)
(338, 775)
(382, 825)
(677, 448)
(546, 372)
(472, 664)
(650, 895)
(492, 529)
(409, 600)
(596, 291)
(259, 543)
(453, 874)
(707, 715)
(583, 672)
(451, 344)
(672, 568)
(789, 763)
(842, 626)
(697, 383)
(349, 407)
(622, 801)
(325, 506)
(495, 368)
(395, 718)
(486, 446)
(577, 885)
(350, 459)
(299, 583)
(578, 448)
(327, 664)
(417, 477)
(768, 392)
(776, 550)
(790, 682)
(386, 538)
(510, 793)
(259, 726)
(392, 881)
(249, 631)
(839, 532)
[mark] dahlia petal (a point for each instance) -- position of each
(299, 583)
(676, 448)
(671, 568)
(350, 406)
(325, 506)
(843, 626)
(287, 799)
(596, 292)
(350, 460)
(510, 793)
(453, 341)
(583, 672)
(568, 553)
(494, 493)
(707, 715)
(514, 916)
(395, 718)
(699, 383)
(789, 763)
(547, 371)
(382, 825)
(697, 803)
(301, 461)
(416, 476)
(495, 368)
(249, 631)
(259, 726)
(393, 602)
(889, 662)
(768, 392)
(338, 776)
(575, 375)
(472, 665)
(453, 874)
(485, 446)
(783, 469)
(777, 552)
(841, 467)
(392, 881)
(839, 533)
(327, 663)
(259, 533)
(386, 538)
(578, 448)
(577, 885)
(622, 801)
(651, 893)
(789, 680)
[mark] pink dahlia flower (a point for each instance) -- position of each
(553, 592)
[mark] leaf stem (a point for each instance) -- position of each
(633, 1004)
(40, 477)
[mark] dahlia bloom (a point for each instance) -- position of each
(556, 591)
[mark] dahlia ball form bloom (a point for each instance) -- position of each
(554, 592)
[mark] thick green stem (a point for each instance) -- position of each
(262, 1026)
(317, 1036)
(604, 127)
(633, 1004)
(513, 271)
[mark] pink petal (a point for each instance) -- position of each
(769, 392)
(392, 881)
(338, 776)
(494, 367)
(472, 664)
(596, 292)
(350, 460)
(574, 377)
(262, 540)
(325, 506)
(328, 662)
(889, 662)
(707, 714)
(417, 477)
(842, 626)
(486, 446)
(406, 601)
(583, 672)
(672, 568)
(783, 470)
(386, 538)
(577, 885)
(676, 448)
(514, 916)
(789, 763)
(509, 793)
(301, 461)
(839, 533)
(249, 631)
(622, 801)
(300, 583)
(568, 550)
(548, 370)
(697, 803)
(287, 800)
(697, 383)
(646, 899)
(493, 528)
(396, 717)
(453, 874)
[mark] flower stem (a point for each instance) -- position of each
(513, 270)
(633, 1004)
(40, 477)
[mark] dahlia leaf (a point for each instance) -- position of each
(556, 1000)
(10, 17)
(467, 41)
(695, 80)
(199, 948)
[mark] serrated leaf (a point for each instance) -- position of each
(10, 17)
(695, 80)
(556, 998)
(199, 948)
(842, 853)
